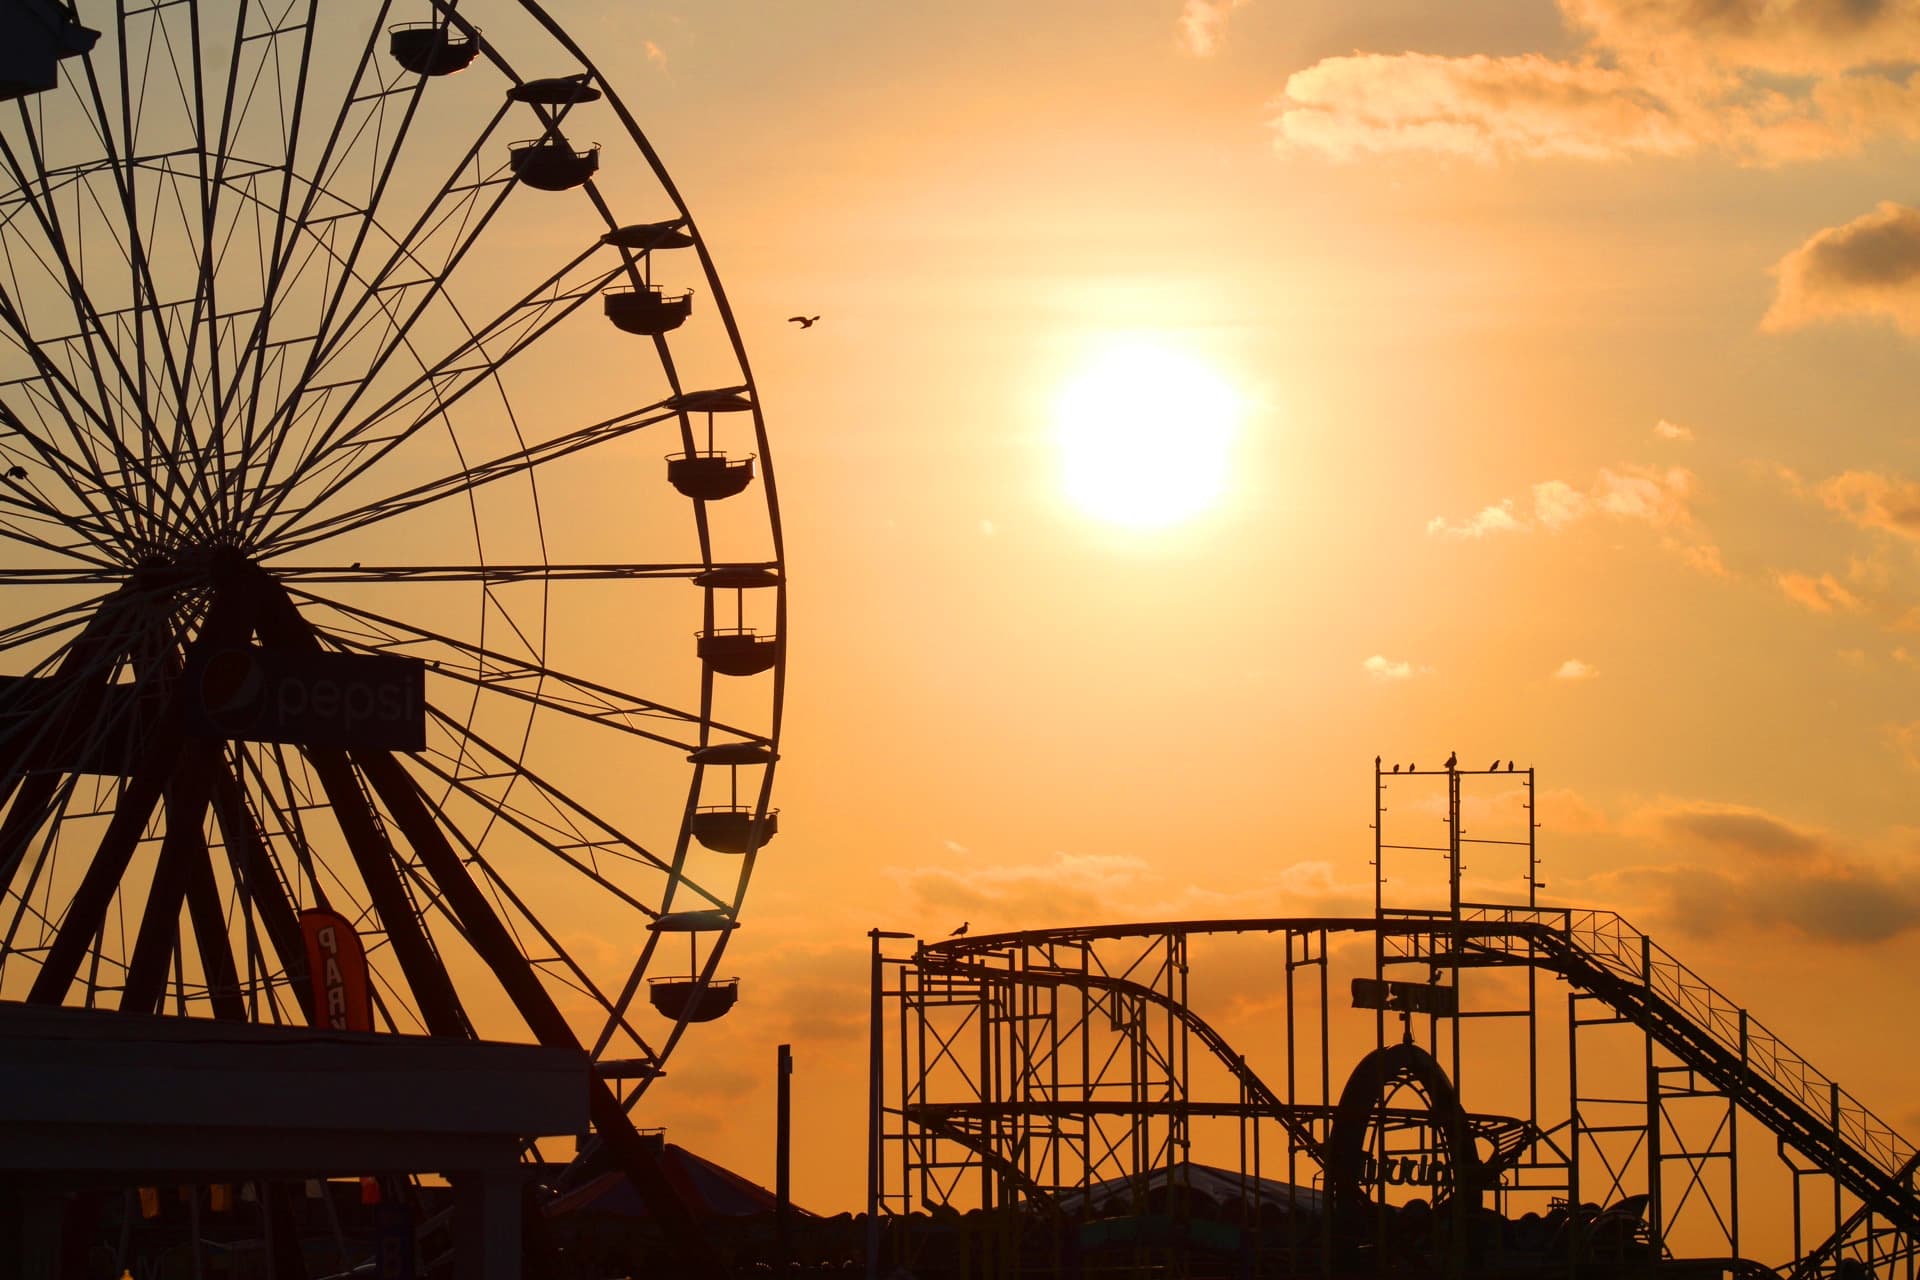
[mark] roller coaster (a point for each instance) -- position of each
(1525, 1089)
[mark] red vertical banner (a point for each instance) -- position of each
(337, 965)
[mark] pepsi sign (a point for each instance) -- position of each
(252, 694)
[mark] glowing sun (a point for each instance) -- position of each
(1145, 435)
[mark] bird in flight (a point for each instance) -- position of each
(805, 322)
(961, 932)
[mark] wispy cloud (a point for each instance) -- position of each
(1872, 500)
(1673, 431)
(1383, 668)
(1767, 80)
(1823, 594)
(1659, 497)
(655, 54)
(1202, 24)
(1498, 519)
(1869, 267)
(1575, 669)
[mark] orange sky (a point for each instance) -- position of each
(1570, 353)
(1575, 344)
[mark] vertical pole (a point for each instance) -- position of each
(1656, 1210)
(1455, 945)
(1833, 1165)
(1577, 1241)
(783, 1152)
(874, 1088)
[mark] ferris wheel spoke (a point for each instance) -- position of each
(538, 684)
(84, 422)
(517, 914)
(93, 339)
(297, 532)
(568, 846)
(36, 799)
(483, 927)
(385, 290)
(39, 815)
(351, 448)
(373, 143)
(10, 531)
(49, 387)
(502, 573)
(86, 913)
(93, 328)
(568, 830)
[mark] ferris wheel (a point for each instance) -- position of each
(386, 529)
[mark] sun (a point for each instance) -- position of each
(1146, 435)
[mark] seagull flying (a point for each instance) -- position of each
(805, 322)
(961, 932)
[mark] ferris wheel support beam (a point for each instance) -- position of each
(253, 869)
(181, 847)
(37, 796)
(495, 945)
(375, 857)
(229, 619)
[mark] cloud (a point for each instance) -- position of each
(1383, 669)
(1568, 812)
(1673, 431)
(1731, 827)
(1905, 738)
(1770, 81)
(1659, 497)
(1771, 873)
(1053, 892)
(1874, 501)
(1869, 267)
(1557, 503)
(655, 54)
(1790, 37)
(1574, 669)
(1498, 519)
(1480, 107)
(1201, 25)
(1823, 594)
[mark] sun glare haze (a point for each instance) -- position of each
(1146, 435)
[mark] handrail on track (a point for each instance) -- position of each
(1616, 946)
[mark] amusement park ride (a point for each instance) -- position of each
(1528, 1090)
(342, 563)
